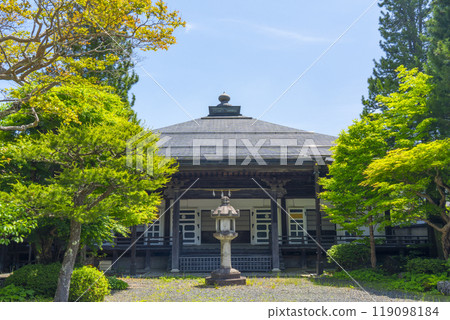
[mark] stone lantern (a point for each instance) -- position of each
(225, 216)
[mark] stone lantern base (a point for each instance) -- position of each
(226, 277)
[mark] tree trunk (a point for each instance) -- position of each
(83, 255)
(62, 290)
(445, 240)
(46, 250)
(373, 256)
(445, 237)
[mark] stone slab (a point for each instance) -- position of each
(226, 282)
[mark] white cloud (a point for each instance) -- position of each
(188, 27)
(279, 33)
(275, 32)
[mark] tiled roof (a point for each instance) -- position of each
(187, 139)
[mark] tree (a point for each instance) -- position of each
(92, 182)
(417, 184)
(402, 27)
(37, 40)
(120, 74)
(401, 124)
(438, 66)
(352, 205)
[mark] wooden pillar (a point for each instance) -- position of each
(319, 262)
(284, 221)
(275, 247)
(167, 222)
(176, 235)
(115, 256)
(133, 250)
(29, 253)
(147, 260)
(388, 229)
(2, 258)
(15, 259)
(304, 262)
(433, 248)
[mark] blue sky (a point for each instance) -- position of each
(254, 50)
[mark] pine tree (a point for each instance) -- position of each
(438, 66)
(402, 27)
(119, 75)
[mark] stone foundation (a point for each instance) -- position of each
(226, 277)
(444, 287)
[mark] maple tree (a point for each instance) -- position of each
(416, 182)
(91, 182)
(355, 204)
(37, 41)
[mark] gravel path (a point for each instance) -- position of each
(257, 289)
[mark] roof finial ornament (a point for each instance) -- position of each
(224, 98)
(224, 108)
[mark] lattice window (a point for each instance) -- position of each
(297, 226)
(210, 263)
(261, 226)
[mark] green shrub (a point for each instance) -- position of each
(361, 275)
(12, 293)
(394, 264)
(349, 256)
(406, 281)
(366, 241)
(89, 283)
(426, 266)
(117, 284)
(418, 250)
(416, 282)
(41, 278)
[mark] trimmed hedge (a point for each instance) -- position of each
(349, 255)
(41, 278)
(89, 285)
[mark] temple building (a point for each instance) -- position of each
(270, 174)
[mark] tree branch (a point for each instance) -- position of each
(426, 196)
(23, 127)
(431, 224)
(440, 182)
(82, 193)
(13, 109)
(101, 197)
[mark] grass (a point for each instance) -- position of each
(193, 288)
(377, 282)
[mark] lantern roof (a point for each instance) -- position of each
(225, 210)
